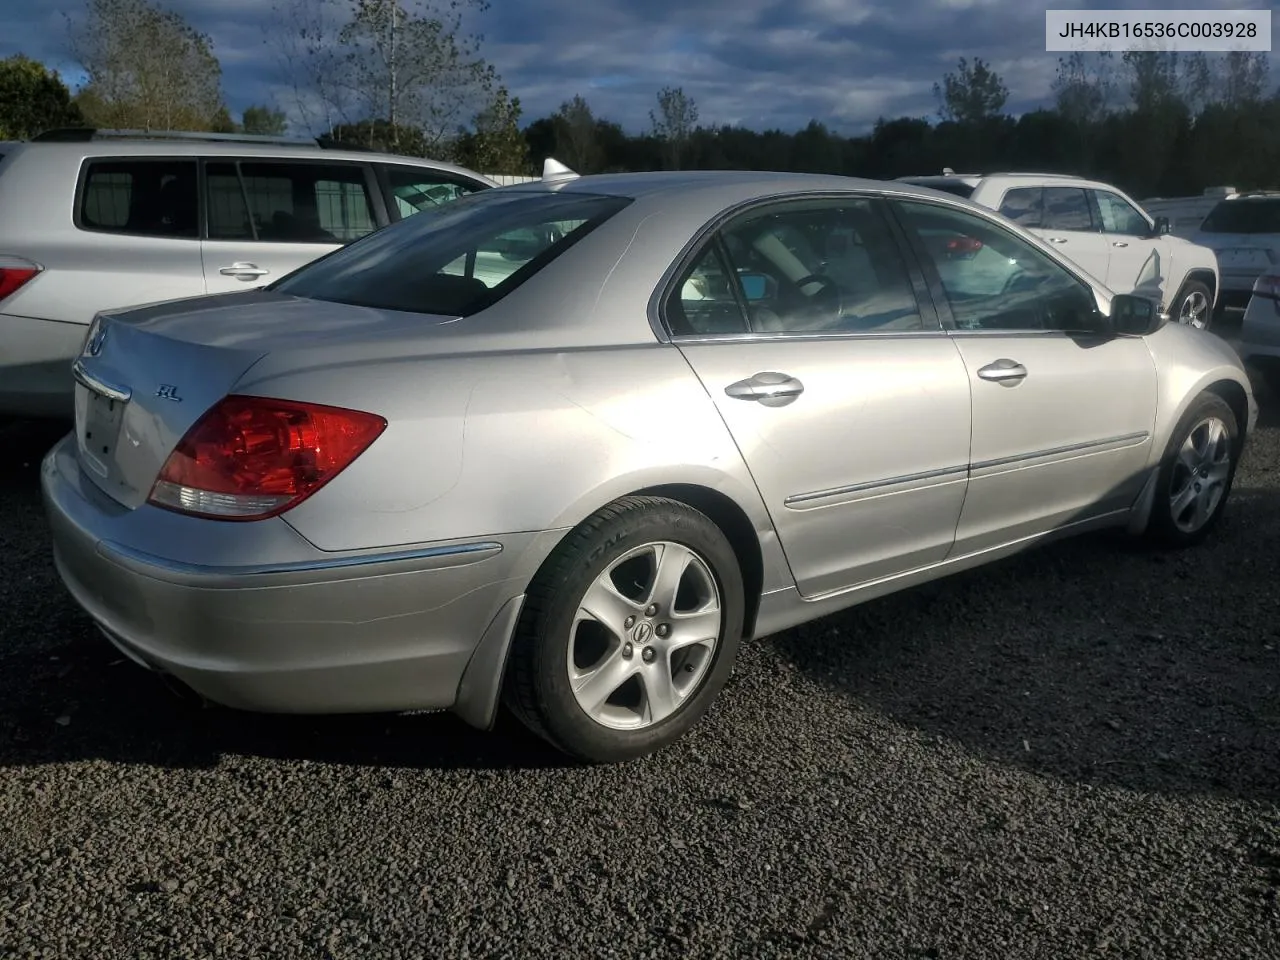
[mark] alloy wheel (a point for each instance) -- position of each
(644, 635)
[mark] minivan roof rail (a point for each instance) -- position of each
(87, 134)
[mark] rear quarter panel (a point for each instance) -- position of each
(484, 445)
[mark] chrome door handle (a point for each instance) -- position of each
(244, 271)
(770, 388)
(1119, 243)
(1057, 239)
(1003, 371)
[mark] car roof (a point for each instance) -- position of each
(743, 184)
(141, 145)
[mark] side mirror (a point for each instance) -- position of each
(1162, 226)
(1133, 315)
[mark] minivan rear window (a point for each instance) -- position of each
(1243, 216)
(456, 259)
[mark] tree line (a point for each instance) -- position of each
(407, 77)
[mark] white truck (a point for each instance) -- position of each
(1103, 230)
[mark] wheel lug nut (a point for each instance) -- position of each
(648, 654)
(651, 610)
(627, 651)
(664, 629)
(629, 622)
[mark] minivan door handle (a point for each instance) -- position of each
(1003, 370)
(244, 271)
(769, 388)
(1057, 239)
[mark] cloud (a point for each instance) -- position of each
(763, 63)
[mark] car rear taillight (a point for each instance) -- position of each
(14, 272)
(249, 458)
(1267, 285)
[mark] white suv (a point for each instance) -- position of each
(95, 220)
(1107, 233)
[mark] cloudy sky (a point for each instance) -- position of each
(761, 63)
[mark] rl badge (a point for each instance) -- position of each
(168, 391)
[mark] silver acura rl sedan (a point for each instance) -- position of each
(564, 445)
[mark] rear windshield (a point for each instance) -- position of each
(957, 187)
(1244, 216)
(456, 259)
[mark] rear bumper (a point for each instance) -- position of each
(35, 366)
(317, 634)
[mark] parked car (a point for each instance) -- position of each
(1104, 231)
(1258, 343)
(1185, 214)
(93, 220)
(1244, 232)
(567, 444)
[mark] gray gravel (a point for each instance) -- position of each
(1075, 753)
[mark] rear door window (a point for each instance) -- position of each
(140, 196)
(1067, 208)
(287, 202)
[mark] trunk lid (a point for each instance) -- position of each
(146, 375)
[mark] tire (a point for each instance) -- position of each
(1215, 451)
(1193, 306)
(558, 649)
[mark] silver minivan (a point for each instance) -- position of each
(96, 220)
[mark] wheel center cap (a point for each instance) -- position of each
(643, 632)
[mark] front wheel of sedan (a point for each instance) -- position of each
(628, 632)
(1196, 474)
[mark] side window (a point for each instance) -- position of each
(305, 202)
(1024, 206)
(821, 266)
(994, 280)
(149, 198)
(414, 189)
(1119, 216)
(705, 300)
(225, 199)
(1067, 208)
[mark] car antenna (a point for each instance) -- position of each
(553, 169)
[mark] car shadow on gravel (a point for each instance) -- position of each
(1092, 660)
(67, 695)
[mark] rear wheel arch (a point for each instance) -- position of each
(734, 523)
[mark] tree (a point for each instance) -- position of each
(577, 139)
(405, 62)
(971, 94)
(264, 121)
(1084, 87)
(1154, 81)
(1244, 78)
(147, 67)
(33, 99)
(674, 123)
(496, 145)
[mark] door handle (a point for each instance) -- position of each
(244, 271)
(1057, 239)
(1119, 243)
(770, 388)
(1003, 370)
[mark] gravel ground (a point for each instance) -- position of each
(1075, 753)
